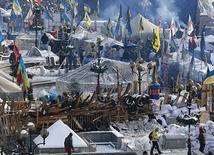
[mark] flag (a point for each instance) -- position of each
(87, 8)
(97, 10)
(156, 40)
(190, 26)
(183, 38)
(108, 28)
(184, 54)
(17, 54)
(173, 45)
(141, 28)
(64, 16)
(12, 15)
(172, 27)
(128, 15)
(192, 44)
(209, 79)
(87, 19)
(203, 47)
(191, 66)
(17, 7)
(64, 5)
(118, 22)
(1, 37)
(38, 1)
(48, 15)
(128, 24)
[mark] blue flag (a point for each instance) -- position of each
(1, 38)
(48, 15)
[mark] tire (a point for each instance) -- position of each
(132, 109)
(97, 124)
(128, 100)
(89, 126)
(141, 102)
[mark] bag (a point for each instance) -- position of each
(64, 150)
(150, 136)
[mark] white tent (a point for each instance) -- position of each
(57, 134)
(148, 26)
(9, 89)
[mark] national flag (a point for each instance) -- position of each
(17, 7)
(64, 5)
(183, 38)
(1, 37)
(128, 15)
(141, 28)
(48, 15)
(12, 15)
(64, 16)
(173, 45)
(87, 8)
(203, 47)
(209, 79)
(191, 66)
(87, 19)
(192, 44)
(156, 40)
(17, 54)
(39, 1)
(190, 26)
(97, 10)
(118, 22)
(184, 54)
(108, 28)
(172, 27)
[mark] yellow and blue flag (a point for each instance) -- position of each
(118, 21)
(64, 5)
(17, 7)
(209, 77)
(184, 54)
(191, 65)
(109, 27)
(141, 28)
(128, 15)
(128, 24)
(97, 10)
(87, 19)
(87, 8)
(48, 15)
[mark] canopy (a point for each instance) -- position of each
(9, 89)
(57, 134)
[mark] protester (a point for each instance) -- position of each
(202, 138)
(155, 141)
(68, 143)
(44, 42)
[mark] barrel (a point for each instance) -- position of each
(155, 91)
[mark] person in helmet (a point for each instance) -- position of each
(202, 138)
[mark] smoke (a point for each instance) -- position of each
(112, 12)
(167, 10)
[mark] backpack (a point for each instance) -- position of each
(150, 136)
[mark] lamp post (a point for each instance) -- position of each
(192, 92)
(97, 67)
(139, 69)
(25, 132)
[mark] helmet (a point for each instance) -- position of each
(201, 128)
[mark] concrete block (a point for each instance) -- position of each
(174, 141)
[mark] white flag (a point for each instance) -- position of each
(190, 26)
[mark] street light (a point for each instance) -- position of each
(25, 132)
(97, 67)
(193, 91)
(140, 69)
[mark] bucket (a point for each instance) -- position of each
(155, 91)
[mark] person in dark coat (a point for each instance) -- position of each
(68, 144)
(202, 138)
(44, 41)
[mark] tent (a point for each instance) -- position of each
(87, 79)
(9, 89)
(57, 134)
(148, 26)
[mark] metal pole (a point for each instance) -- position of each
(98, 76)
(189, 140)
(30, 147)
(36, 27)
(139, 81)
